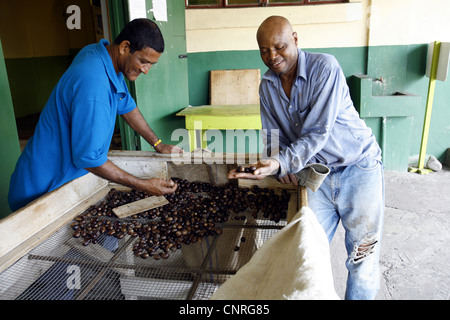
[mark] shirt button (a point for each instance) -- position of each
(290, 107)
(296, 124)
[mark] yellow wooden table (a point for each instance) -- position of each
(228, 117)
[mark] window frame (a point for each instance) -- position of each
(264, 3)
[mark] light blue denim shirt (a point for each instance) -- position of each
(319, 123)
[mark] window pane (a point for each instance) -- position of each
(285, 1)
(237, 2)
(203, 2)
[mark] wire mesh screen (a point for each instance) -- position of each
(183, 250)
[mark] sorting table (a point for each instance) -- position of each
(220, 117)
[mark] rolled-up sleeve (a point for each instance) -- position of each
(126, 103)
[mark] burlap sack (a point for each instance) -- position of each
(293, 264)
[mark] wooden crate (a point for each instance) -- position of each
(49, 216)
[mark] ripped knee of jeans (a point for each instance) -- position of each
(364, 249)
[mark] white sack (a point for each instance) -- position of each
(293, 264)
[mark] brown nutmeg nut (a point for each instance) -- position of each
(249, 169)
(77, 234)
(188, 218)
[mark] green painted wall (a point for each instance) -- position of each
(163, 91)
(402, 68)
(353, 60)
(9, 146)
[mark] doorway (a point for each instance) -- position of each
(39, 43)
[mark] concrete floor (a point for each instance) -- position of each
(415, 251)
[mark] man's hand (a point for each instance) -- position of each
(168, 148)
(289, 178)
(264, 168)
(158, 186)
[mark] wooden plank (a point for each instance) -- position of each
(139, 206)
(293, 206)
(31, 240)
(141, 166)
(233, 87)
(24, 223)
(268, 182)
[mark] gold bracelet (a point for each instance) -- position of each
(156, 143)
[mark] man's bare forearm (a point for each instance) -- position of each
(111, 172)
(137, 122)
(153, 186)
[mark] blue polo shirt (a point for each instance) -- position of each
(318, 123)
(75, 127)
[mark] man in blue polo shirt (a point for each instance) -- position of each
(75, 128)
(307, 112)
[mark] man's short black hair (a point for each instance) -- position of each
(142, 33)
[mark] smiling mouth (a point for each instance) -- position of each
(277, 64)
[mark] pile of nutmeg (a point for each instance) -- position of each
(196, 210)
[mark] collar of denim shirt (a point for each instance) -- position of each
(301, 68)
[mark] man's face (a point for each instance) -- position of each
(133, 64)
(278, 49)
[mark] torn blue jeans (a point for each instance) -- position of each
(354, 195)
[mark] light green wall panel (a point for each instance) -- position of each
(403, 69)
(9, 146)
(164, 90)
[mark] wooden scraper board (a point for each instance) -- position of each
(139, 206)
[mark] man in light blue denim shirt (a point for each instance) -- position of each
(308, 117)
